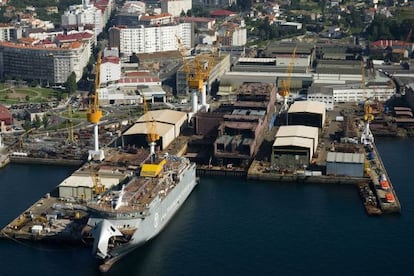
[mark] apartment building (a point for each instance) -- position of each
(149, 39)
(176, 7)
(46, 62)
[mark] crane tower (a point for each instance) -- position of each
(94, 114)
(197, 74)
(151, 127)
(367, 138)
(284, 92)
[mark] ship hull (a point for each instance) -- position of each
(161, 210)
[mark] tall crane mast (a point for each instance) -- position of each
(197, 74)
(94, 113)
(151, 127)
(284, 92)
(367, 138)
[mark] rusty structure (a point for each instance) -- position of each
(241, 131)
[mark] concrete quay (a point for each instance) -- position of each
(388, 203)
(48, 219)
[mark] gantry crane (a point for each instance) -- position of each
(153, 166)
(285, 83)
(367, 138)
(94, 113)
(151, 127)
(197, 74)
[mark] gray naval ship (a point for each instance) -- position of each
(124, 219)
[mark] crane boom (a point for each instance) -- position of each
(285, 83)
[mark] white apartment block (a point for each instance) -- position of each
(133, 7)
(110, 69)
(231, 34)
(9, 32)
(84, 14)
(175, 7)
(151, 39)
(48, 63)
(72, 60)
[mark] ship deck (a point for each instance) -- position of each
(140, 192)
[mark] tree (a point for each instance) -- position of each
(70, 84)
(45, 121)
(27, 125)
(37, 122)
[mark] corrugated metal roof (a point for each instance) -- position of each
(345, 157)
(165, 115)
(141, 128)
(294, 141)
(297, 131)
(307, 106)
(87, 181)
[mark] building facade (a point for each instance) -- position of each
(150, 39)
(50, 64)
(110, 69)
(175, 7)
(9, 32)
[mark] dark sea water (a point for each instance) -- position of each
(238, 227)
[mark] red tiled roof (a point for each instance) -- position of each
(385, 43)
(221, 13)
(139, 80)
(137, 74)
(111, 59)
(196, 19)
(71, 37)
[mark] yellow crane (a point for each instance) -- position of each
(197, 74)
(98, 187)
(22, 136)
(285, 83)
(94, 113)
(151, 127)
(152, 167)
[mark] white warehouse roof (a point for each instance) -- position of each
(308, 106)
(345, 157)
(141, 128)
(295, 142)
(166, 116)
(299, 131)
(87, 181)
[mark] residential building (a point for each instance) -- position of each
(46, 62)
(232, 34)
(110, 69)
(84, 14)
(176, 7)
(130, 12)
(149, 39)
(10, 32)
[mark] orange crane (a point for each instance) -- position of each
(284, 92)
(94, 113)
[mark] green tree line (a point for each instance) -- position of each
(390, 28)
